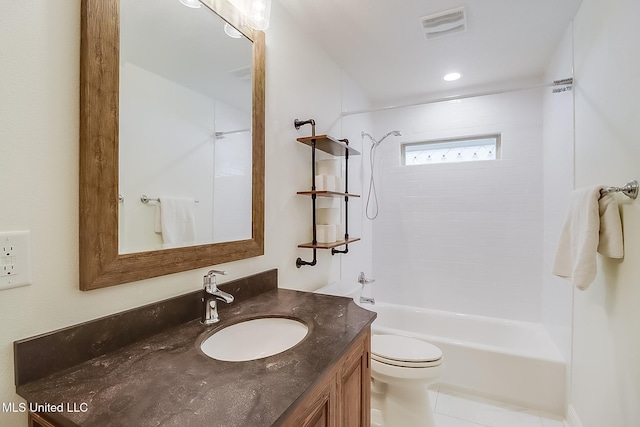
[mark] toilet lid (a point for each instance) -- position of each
(395, 348)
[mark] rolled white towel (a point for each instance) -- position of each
(327, 216)
(326, 233)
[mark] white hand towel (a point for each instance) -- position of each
(157, 222)
(611, 242)
(178, 221)
(592, 224)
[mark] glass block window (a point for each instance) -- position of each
(452, 150)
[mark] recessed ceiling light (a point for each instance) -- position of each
(452, 77)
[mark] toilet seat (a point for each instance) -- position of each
(404, 352)
(402, 369)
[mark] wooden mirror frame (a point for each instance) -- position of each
(100, 263)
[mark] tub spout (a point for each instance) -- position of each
(366, 300)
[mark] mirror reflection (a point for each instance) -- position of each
(185, 138)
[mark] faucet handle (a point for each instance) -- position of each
(210, 277)
(214, 272)
(362, 279)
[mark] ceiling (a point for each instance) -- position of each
(382, 46)
(187, 46)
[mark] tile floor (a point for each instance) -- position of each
(453, 409)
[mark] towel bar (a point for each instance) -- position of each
(630, 189)
(145, 199)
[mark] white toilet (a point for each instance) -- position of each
(402, 368)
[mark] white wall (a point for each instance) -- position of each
(557, 153)
(606, 336)
(39, 86)
(360, 255)
(169, 149)
(162, 154)
(463, 237)
(232, 167)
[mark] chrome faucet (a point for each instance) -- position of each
(362, 279)
(211, 296)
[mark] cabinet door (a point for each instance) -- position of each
(36, 420)
(320, 417)
(343, 396)
(354, 388)
(318, 409)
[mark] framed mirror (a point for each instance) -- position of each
(107, 117)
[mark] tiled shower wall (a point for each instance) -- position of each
(463, 237)
(558, 156)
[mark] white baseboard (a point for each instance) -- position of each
(572, 418)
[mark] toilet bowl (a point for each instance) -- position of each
(402, 368)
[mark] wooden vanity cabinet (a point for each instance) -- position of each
(354, 386)
(342, 398)
(37, 420)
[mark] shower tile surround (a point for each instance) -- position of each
(467, 235)
(143, 365)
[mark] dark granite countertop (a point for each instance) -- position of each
(166, 380)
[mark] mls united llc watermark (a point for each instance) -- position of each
(44, 407)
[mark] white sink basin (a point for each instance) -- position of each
(254, 339)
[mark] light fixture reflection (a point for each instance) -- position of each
(257, 12)
(452, 77)
(232, 32)
(193, 4)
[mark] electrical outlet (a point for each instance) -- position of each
(15, 259)
(8, 270)
(8, 250)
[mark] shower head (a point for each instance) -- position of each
(375, 143)
(372, 186)
(393, 132)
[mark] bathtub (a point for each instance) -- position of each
(511, 361)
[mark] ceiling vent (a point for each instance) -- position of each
(242, 73)
(444, 23)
